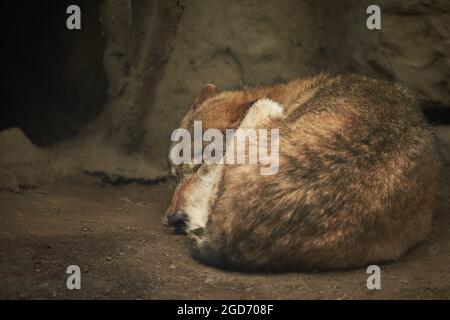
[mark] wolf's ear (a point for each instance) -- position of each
(208, 91)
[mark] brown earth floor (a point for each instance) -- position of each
(115, 235)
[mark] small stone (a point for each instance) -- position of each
(126, 200)
(172, 266)
(209, 280)
(85, 229)
(433, 250)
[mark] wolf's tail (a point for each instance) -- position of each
(213, 254)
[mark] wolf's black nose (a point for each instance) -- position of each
(178, 221)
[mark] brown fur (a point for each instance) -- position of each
(356, 184)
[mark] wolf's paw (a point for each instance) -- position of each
(260, 112)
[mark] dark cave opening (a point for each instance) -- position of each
(53, 78)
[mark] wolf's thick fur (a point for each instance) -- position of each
(356, 185)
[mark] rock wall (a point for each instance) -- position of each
(231, 44)
(412, 47)
(235, 43)
(114, 69)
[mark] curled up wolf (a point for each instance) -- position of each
(356, 179)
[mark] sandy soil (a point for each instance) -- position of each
(115, 235)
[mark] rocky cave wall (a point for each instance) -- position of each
(110, 94)
(236, 43)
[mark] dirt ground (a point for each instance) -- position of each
(115, 235)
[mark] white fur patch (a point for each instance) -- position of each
(201, 197)
(261, 111)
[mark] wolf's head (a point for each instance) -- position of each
(214, 110)
(188, 174)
